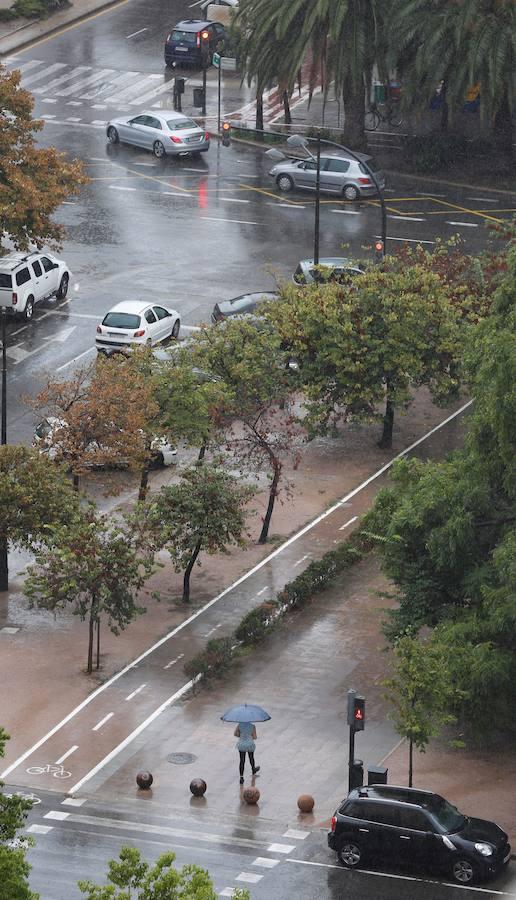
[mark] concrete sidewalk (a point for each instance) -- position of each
(18, 33)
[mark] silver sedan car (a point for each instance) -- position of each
(165, 132)
(338, 175)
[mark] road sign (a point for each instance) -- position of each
(216, 60)
(228, 64)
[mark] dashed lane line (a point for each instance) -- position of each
(463, 224)
(167, 637)
(68, 753)
(137, 691)
(102, 721)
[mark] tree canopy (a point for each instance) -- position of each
(14, 868)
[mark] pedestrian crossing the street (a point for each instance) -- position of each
(97, 88)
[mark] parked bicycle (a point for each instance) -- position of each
(56, 771)
(375, 115)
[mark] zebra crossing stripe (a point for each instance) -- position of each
(112, 86)
(48, 70)
(143, 83)
(80, 70)
(85, 82)
(149, 95)
(25, 67)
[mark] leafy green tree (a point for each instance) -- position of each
(421, 693)
(137, 880)
(97, 567)
(35, 180)
(260, 428)
(373, 342)
(205, 511)
(34, 494)
(14, 868)
(462, 44)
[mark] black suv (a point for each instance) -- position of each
(183, 44)
(412, 827)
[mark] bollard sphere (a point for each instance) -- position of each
(144, 780)
(251, 795)
(198, 787)
(305, 803)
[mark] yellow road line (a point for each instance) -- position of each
(280, 199)
(464, 209)
(155, 178)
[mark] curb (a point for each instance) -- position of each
(30, 32)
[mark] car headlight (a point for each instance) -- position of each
(484, 849)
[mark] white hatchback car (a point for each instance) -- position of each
(136, 322)
(27, 278)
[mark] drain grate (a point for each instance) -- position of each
(181, 759)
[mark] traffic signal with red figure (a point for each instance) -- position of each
(226, 134)
(378, 251)
(359, 713)
(205, 49)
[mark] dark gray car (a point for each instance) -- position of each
(339, 175)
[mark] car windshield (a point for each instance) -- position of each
(239, 305)
(5, 280)
(447, 816)
(181, 124)
(121, 320)
(43, 429)
(185, 37)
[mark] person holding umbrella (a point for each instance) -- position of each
(246, 715)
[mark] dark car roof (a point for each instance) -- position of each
(245, 301)
(391, 793)
(192, 25)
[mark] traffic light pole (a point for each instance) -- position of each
(4, 564)
(203, 110)
(351, 759)
(317, 200)
(218, 98)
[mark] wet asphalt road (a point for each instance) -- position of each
(75, 839)
(186, 231)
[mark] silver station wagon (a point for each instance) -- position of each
(165, 132)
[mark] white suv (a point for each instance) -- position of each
(27, 278)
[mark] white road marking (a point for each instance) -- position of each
(404, 239)
(98, 122)
(112, 86)
(212, 630)
(68, 753)
(204, 172)
(47, 116)
(346, 524)
(119, 187)
(406, 218)
(28, 65)
(48, 100)
(76, 358)
(227, 892)
(233, 200)
(236, 221)
(186, 687)
(300, 560)
(74, 103)
(427, 194)
(8, 629)
(75, 124)
(464, 224)
(483, 199)
(293, 833)
(265, 862)
(140, 98)
(134, 33)
(459, 887)
(73, 119)
(346, 212)
(261, 592)
(99, 105)
(42, 73)
(280, 848)
(174, 661)
(173, 194)
(86, 82)
(137, 691)
(287, 205)
(73, 801)
(39, 829)
(151, 164)
(58, 814)
(102, 722)
(17, 353)
(249, 877)
(57, 82)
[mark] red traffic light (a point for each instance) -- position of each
(226, 126)
(226, 134)
(378, 247)
(359, 713)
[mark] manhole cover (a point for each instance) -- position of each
(181, 759)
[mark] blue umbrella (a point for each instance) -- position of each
(245, 712)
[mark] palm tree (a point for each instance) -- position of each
(342, 36)
(462, 43)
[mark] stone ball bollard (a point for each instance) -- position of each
(144, 780)
(198, 787)
(251, 796)
(305, 803)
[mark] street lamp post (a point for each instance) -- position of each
(317, 199)
(4, 569)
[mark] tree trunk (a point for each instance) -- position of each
(259, 115)
(410, 763)
(353, 97)
(76, 483)
(385, 442)
(444, 110)
(286, 107)
(202, 453)
(270, 506)
(502, 127)
(188, 572)
(4, 565)
(91, 632)
(98, 642)
(144, 483)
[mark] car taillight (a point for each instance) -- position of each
(139, 333)
(198, 40)
(15, 299)
(333, 823)
(175, 139)
(207, 136)
(99, 329)
(364, 181)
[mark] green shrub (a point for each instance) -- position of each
(256, 624)
(216, 658)
(434, 152)
(33, 9)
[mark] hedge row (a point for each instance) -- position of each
(220, 653)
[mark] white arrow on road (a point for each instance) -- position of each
(17, 353)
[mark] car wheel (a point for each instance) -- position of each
(284, 183)
(350, 854)
(158, 460)
(350, 192)
(29, 308)
(158, 150)
(63, 287)
(113, 135)
(175, 330)
(463, 871)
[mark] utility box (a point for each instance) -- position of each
(377, 775)
(179, 85)
(198, 97)
(357, 774)
(379, 92)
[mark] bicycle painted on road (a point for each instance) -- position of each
(56, 771)
(32, 797)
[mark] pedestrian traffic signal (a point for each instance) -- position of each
(378, 251)
(226, 134)
(358, 713)
(205, 49)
